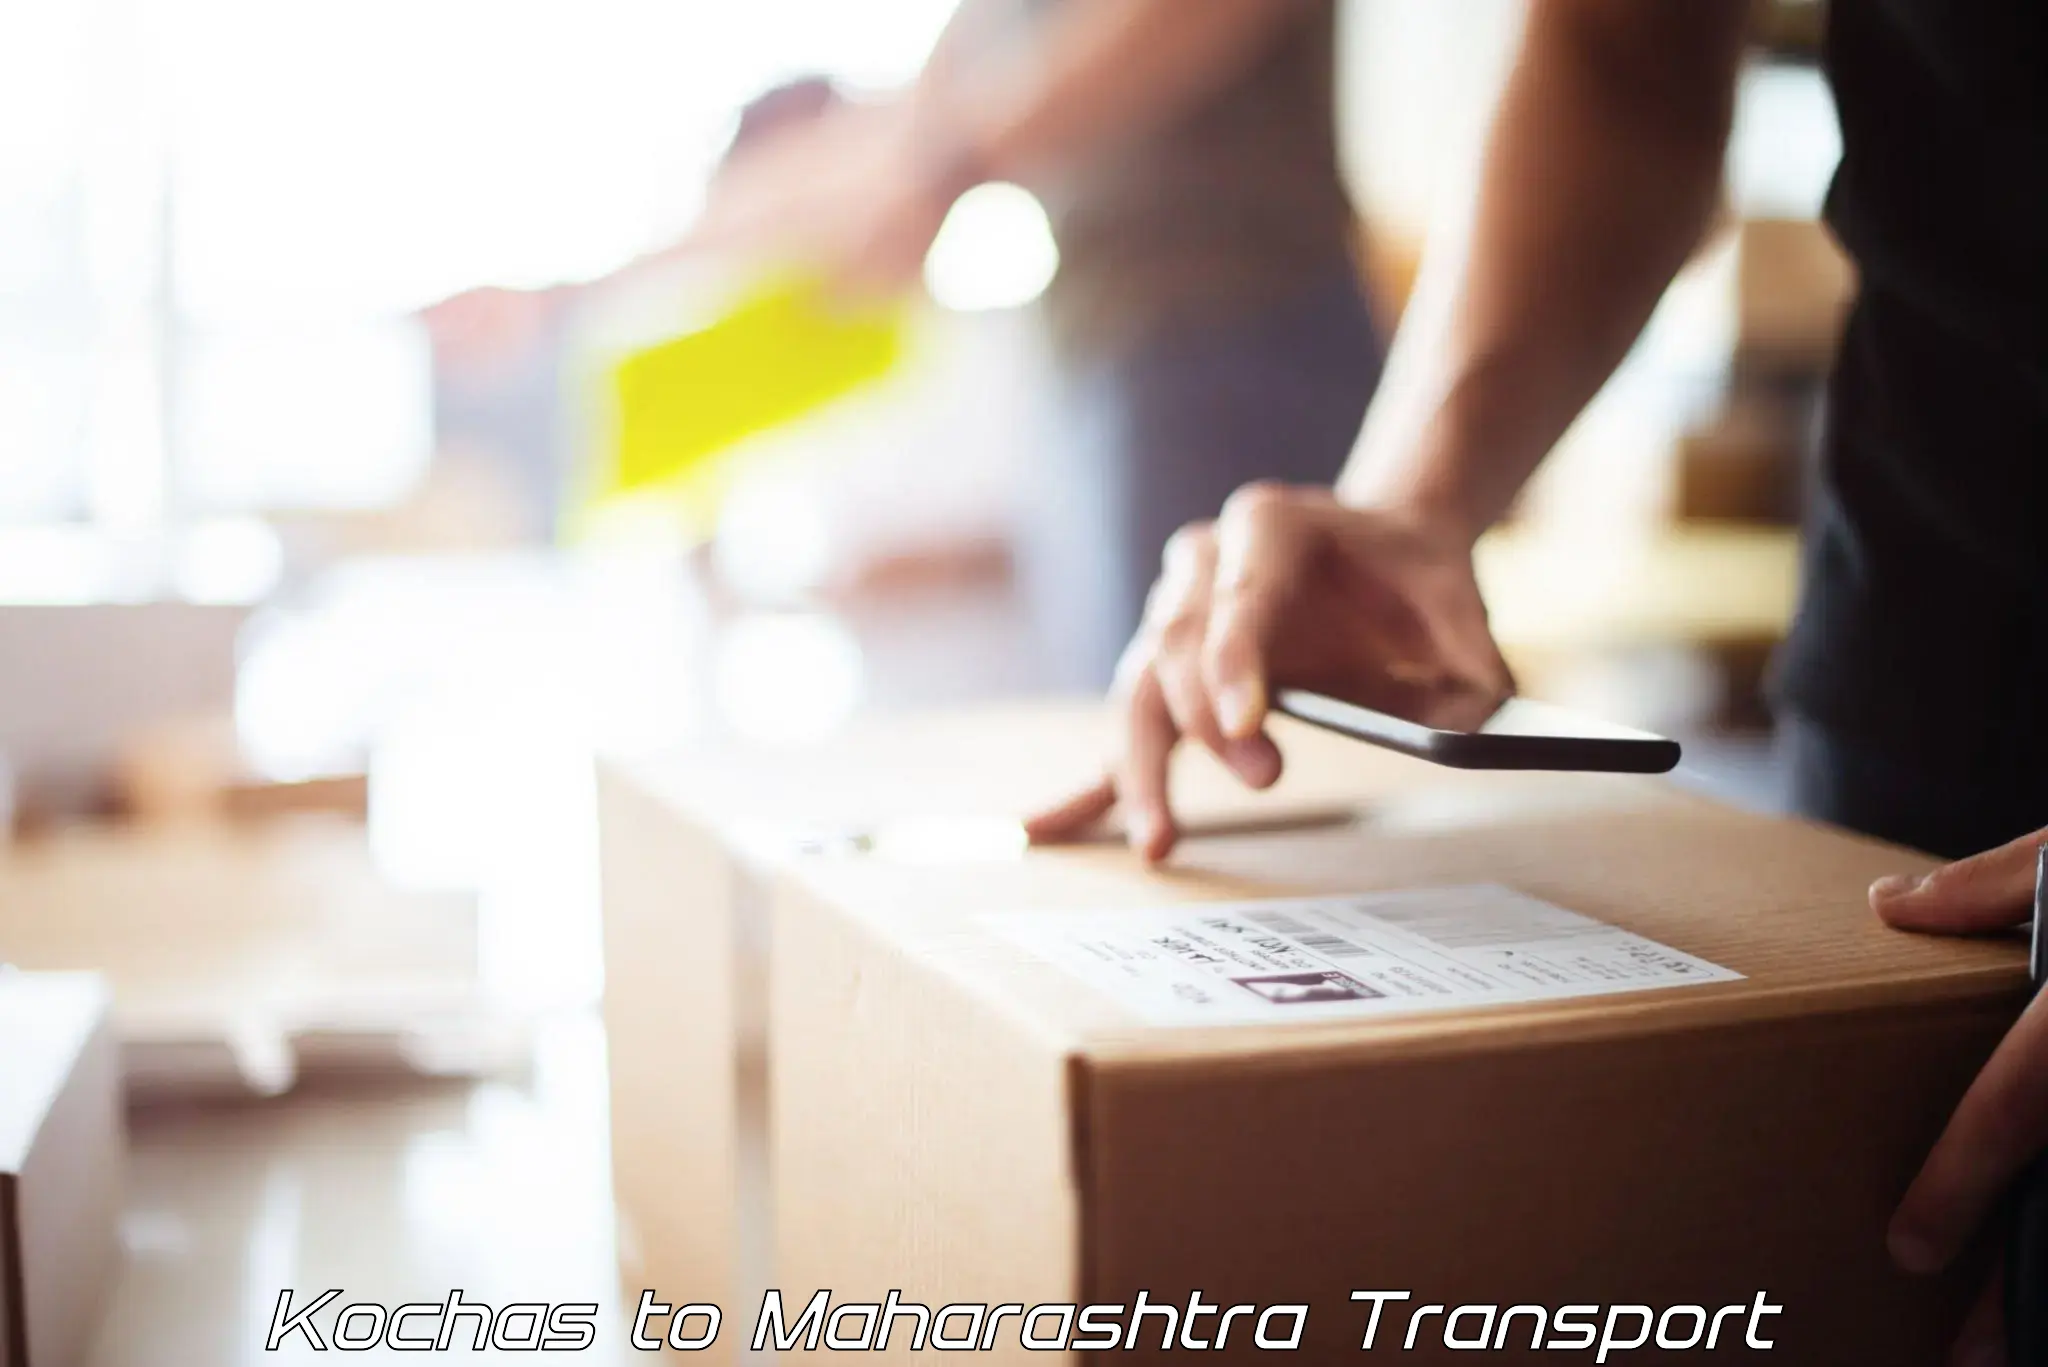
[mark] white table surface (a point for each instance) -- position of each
(393, 1194)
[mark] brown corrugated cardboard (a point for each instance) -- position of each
(956, 1118)
(60, 1164)
(1743, 465)
(1791, 285)
(690, 841)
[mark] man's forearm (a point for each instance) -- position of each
(1096, 72)
(1599, 177)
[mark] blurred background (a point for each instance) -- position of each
(343, 516)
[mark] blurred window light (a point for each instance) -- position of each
(307, 695)
(46, 375)
(123, 437)
(55, 565)
(786, 678)
(409, 149)
(335, 416)
(1785, 143)
(228, 560)
(995, 251)
(42, 101)
(775, 533)
(190, 189)
(1419, 82)
(217, 561)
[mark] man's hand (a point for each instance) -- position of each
(1288, 587)
(2002, 1123)
(856, 195)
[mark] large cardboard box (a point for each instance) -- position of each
(692, 840)
(972, 1102)
(82, 678)
(60, 1164)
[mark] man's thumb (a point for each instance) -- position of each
(1985, 892)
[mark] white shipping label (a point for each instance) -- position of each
(1314, 958)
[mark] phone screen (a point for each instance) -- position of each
(1522, 717)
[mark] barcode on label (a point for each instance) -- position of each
(1321, 941)
(1456, 928)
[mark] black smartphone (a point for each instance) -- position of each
(1469, 733)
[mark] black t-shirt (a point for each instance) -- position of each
(1923, 634)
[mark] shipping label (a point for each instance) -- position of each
(1315, 958)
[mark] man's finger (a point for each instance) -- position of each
(2001, 1125)
(1257, 538)
(1234, 666)
(1074, 817)
(1233, 680)
(1187, 702)
(1184, 678)
(1142, 776)
(1177, 614)
(1989, 891)
(1242, 611)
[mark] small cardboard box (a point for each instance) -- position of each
(690, 844)
(245, 957)
(973, 1102)
(60, 1164)
(82, 678)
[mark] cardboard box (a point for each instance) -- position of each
(82, 678)
(60, 1165)
(245, 957)
(690, 844)
(1792, 285)
(960, 1119)
(1764, 296)
(193, 769)
(1744, 465)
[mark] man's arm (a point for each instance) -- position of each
(1600, 175)
(861, 195)
(1095, 72)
